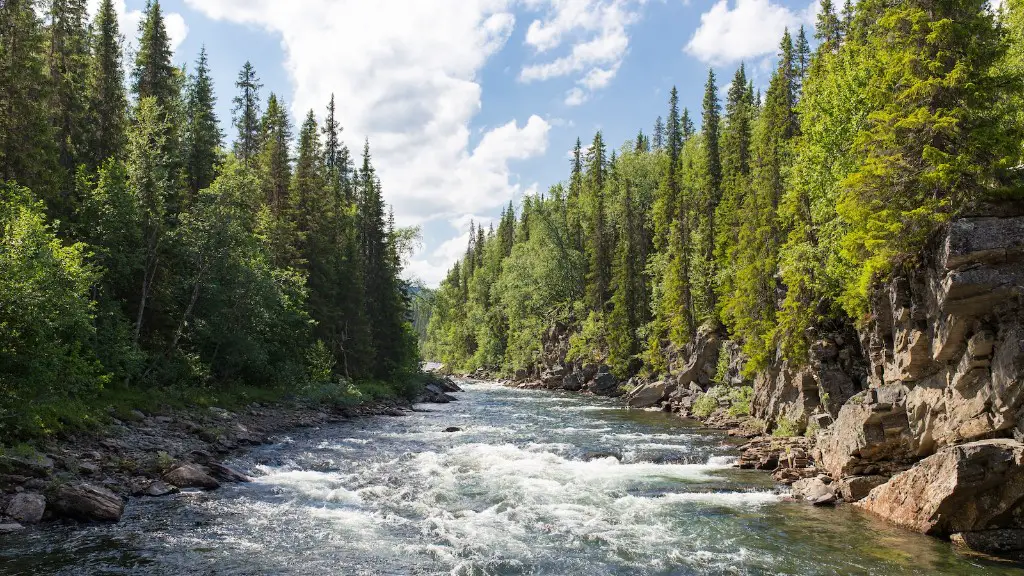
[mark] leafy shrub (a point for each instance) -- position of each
(786, 428)
(705, 405)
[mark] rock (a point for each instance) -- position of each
(871, 435)
(87, 502)
(152, 488)
(88, 468)
(991, 541)
(601, 456)
(790, 475)
(225, 473)
(191, 476)
(649, 394)
(605, 385)
(975, 486)
(573, 382)
(815, 491)
(27, 508)
(9, 527)
(451, 429)
(35, 465)
(855, 488)
(449, 385)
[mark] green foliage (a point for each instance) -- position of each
(705, 405)
(786, 428)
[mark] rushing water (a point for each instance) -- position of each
(533, 484)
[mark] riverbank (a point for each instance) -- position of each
(90, 475)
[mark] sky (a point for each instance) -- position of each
(471, 104)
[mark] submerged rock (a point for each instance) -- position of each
(976, 486)
(8, 527)
(991, 541)
(27, 508)
(191, 476)
(451, 429)
(226, 473)
(152, 488)
(87, 502)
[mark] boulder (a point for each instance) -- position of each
(855, 488)
(451, 429)
(154, 488)
(225, 473)
(604, 385)
(573, 382)
(9, 527)
(26, 508)
(648, 395)
(991, 541)
(35, 465)
(871, 435)
(87, 502)
(975, 486)
(815, 490)
(191, 476)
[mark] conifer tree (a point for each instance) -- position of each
(154, 74)
(597, 249)
(68, 63)
(202, 135)
(27, 150)
(108, 103)
(246, 115)
(658, 135)
(626, 314)
(713, 167)
(275, 158)
(827, 29)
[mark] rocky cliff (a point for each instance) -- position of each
(917, 412)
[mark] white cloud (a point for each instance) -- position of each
(129, 22)
(749, 29)
(575, 96)
(597, 32)
(406, 75)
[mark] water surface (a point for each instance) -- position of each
(535, 483)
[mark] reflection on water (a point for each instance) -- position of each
(534, 484)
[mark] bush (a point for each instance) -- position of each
(705, 405)
(740, 397)
(786, 428)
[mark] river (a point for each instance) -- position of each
(534, 483)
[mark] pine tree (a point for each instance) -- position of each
(597, 250)
(27, 150)
(686, 125)
(154, 74)
(275, 158)
(801, 60)
(658, 135)
(626, 315)
(246, 115)
(713, 166)
(68, 63)
(574, 206)
(827, 29)
(108, 103)
(202, 137)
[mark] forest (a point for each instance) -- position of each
(143, 260)
(773, 217)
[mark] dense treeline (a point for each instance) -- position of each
(137, 254)
(771, 219)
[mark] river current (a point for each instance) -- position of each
(533, 483)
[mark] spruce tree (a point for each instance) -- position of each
(246, 115)
(68, 63)
(154, 74)
(827, 29)
(275, 158)
(108, 103)
(598, 256)
(27, 149)
(713, 192)
(658, 136)
(202, 137)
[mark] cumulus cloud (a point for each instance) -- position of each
(405, 75)
(596, 31)
(129, 22)
(748, 29)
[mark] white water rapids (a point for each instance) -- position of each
(534, 483)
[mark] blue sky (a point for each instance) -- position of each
(469, 104)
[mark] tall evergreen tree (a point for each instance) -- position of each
(713, 165)
(27, 151)
(68, 63)
(275, 158)
(827, 29)
(154, 74)
(246, 115)
(658, 136)
(202, 137)
(597, 249)
(108, 103)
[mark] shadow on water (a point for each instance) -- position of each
(533, 483)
